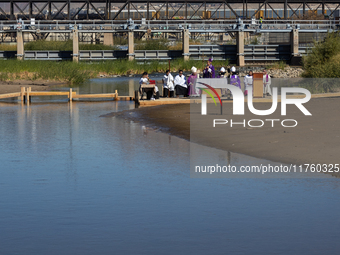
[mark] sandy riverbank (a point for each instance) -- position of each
(316, 138)
(37, 85)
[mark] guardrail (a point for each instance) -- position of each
(267, 52)
(218, 52)
(97, 55)
(48, 55)
(7, 54)
(157, 54)
(252, 53)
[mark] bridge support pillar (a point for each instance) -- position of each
(20, 45)
(240, 48)
(185, 45)
(294, 46)
(108, 39)
(131, 45)
(75, 56)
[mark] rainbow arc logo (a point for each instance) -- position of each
(209, 93)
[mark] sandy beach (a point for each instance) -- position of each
(316, 138)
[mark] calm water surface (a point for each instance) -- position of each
(74, 183)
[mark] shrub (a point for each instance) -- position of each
(323, 59)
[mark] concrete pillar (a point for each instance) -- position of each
(75, 45)
(131, 45)
(294, 46)
(186, 44)
(108, 39)
(294, 42)
(20, 45)
(240, 48)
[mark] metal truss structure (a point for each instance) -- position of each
(163, 10)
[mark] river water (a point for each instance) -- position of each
(72, 182)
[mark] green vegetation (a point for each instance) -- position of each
(76, 73)
(323, 61)
(8, 47)
(29, 69)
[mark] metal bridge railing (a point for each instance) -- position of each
(252, 53)
(218, 52)
(192, 25)
(267, 52)
(97, 55)
(48, 55)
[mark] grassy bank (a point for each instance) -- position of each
(76, 73)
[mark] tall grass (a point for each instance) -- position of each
(29, 69)
(76, 73)
(7, 47)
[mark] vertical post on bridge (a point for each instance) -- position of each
(75, 56)
(240, 48)
(20, 45)
(131, 45)
(185, 46)
(294, 45)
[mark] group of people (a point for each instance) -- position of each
(184, 87)
(180, 84)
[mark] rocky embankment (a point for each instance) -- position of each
(287, 72)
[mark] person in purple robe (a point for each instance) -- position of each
(234, 78)
(209, 70)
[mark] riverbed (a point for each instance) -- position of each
(75, 183)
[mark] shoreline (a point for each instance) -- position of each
(311, 142)
(36, 85)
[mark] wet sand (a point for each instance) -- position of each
(316, 138)
(37, 85)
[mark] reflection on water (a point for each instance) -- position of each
(74, 183)
(125, 85)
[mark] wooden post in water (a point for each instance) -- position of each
(70, 96)
(28, 98)
(136, 99)
(116, 96)
(22, 94)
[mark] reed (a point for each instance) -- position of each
(76, 73)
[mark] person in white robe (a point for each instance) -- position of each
(181, 85)
(168, 84)
(248, 82)
(267, 81)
